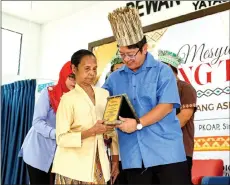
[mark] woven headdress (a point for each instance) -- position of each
(126, 26)
(169, 58)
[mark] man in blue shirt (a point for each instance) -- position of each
(151, 150)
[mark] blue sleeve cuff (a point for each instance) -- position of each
(52, 134)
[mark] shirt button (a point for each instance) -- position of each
(134, 99)
(134, 85)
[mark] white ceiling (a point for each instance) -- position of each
(44, 11)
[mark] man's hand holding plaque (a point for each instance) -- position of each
(119, 112)
(128, 125)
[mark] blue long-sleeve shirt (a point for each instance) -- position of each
(39, 146)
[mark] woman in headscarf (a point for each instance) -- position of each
(39, 146)
(81, 156)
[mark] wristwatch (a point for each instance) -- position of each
(139, 126)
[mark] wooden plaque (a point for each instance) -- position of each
(118, 106)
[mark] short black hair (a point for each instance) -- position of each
(111, 68)
(78, 55)
(175, 70)
(139, 45)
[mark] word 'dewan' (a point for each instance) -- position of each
(152, 6)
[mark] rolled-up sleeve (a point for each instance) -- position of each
(167, 91)
(65, 116)
(188, 97)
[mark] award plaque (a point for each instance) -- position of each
(118, 106)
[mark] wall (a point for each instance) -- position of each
(30, 51)
(45, 48)
(60, 39)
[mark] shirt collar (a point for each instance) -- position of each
(148, 63)
(79, 88)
